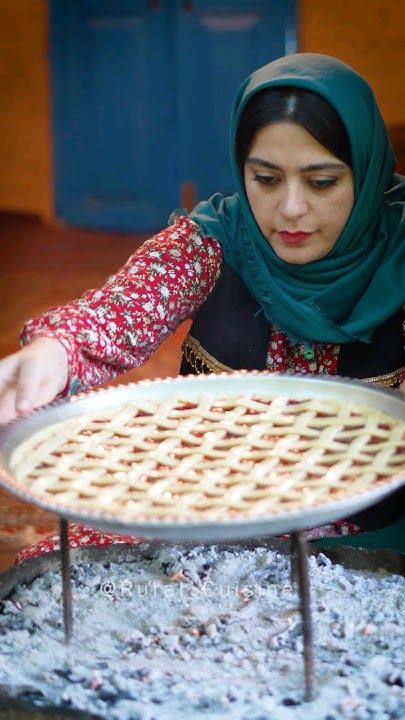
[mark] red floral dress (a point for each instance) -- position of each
(113, 329)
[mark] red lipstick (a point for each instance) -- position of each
(293, 238)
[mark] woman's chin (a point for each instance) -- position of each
(298, 254)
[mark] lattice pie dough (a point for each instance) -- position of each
(211, 459)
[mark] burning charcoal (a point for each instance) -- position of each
(379, 665)
(395, 678)
(227, 658)
(79, 674)
(194, 552)
(361, 714)
(211, 630)
(379, 617)
(273, 642)
(185, 622)
(95, 681)
(203, 703)
(193, 576)
(155, 629)
(108, 693)
(56, 589)
(127, 689)
(26, 597)
(232, 694)
(95, 581)
(170, 644)
(10, 608)
(186, 640)
(167, 567)
(344, 583)
(323, 561)
(36, 614)
(337, 630)
(171, 555)
(155, 674)
(179, 688)
(18, 637)
(291, 702)
(78, 574)
(29, 693)
(233, 640)
(125, 709)
(351, 661)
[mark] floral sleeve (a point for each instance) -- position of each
(117, 327)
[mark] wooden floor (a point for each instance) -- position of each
(41, 266)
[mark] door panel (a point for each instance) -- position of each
(117, 117)
(142, 91)
(220, 43)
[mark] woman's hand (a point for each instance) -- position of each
(31, 377)
(402, 387)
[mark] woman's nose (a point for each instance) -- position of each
(293, 203)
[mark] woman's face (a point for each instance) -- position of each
(300, 194)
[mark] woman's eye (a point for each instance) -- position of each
(324, 183)
(266, 179)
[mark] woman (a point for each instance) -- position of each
(302, 270)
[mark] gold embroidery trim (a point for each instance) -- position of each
(201, 361)
(388, 380)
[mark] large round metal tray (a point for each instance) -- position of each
(295, 386)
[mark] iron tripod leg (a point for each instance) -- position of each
(294, 571)
(66, 584)
(299, 547)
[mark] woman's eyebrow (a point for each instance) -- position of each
(306, 168)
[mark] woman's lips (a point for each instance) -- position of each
(294, 238)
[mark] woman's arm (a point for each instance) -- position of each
(117, 327)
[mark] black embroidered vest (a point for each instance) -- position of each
(230, 332)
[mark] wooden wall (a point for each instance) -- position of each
(368, 34)
(25, 137)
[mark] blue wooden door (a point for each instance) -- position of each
(141, 92)
(220, 42)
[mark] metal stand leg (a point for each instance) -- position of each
(294, 572)
(66, 586)
(304, 590)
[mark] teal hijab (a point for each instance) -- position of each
(360, 283)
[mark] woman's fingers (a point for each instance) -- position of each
(32, 384)
(7, 406)
(8, 370)
(8, 384)
(32, 377)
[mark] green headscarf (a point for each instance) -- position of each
(360, 283)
